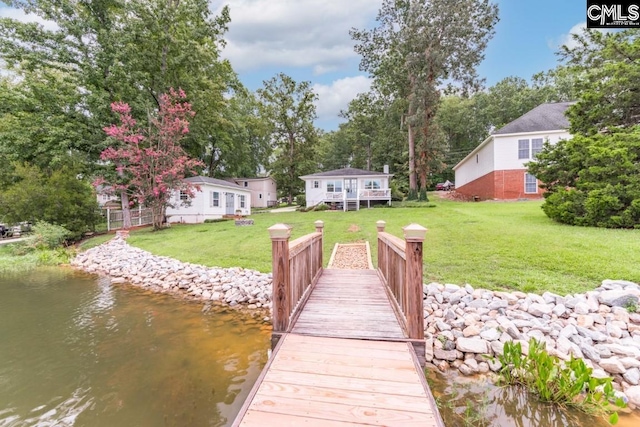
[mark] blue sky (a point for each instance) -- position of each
(309, 40)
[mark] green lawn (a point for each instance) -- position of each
(494, 245)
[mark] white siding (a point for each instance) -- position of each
(317, 195)
(479, 164)
(201, 209)
(506, 148)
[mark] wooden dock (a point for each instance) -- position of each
(343, 353)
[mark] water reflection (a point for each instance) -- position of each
(465, 402)
(77, 351)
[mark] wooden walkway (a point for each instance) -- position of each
(345, 361)
(349, 304)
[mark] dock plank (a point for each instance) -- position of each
(345, 361)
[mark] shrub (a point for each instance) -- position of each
(592, 180)
(301, 200)
(44, 236)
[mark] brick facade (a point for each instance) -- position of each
(499, 185)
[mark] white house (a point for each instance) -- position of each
(495, 169)
(215, 199)
(264, 191)
(104, 195)
(347, 188)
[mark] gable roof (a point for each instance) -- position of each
(544, 117)
(213, 181)
(346, 172)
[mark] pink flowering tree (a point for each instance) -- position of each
(150, 163)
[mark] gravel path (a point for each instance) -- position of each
(351, 257)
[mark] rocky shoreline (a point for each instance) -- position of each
(462, 324)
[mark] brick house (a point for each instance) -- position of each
(495, 168)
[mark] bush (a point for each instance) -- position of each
(43, 237)
(301, 200)
(592, 180)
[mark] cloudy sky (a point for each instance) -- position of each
(309, 40)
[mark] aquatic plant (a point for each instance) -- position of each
(569, 383)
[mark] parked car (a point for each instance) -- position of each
(445, 186)
(5, 231)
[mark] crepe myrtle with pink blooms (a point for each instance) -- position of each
(150, 163)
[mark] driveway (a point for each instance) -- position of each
(10, 240)
(285, 209)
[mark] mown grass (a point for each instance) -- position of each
(496, 245)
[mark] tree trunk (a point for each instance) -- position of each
(126, 211)
(413, 182)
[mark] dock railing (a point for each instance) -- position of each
(297, 265)
(400, 268)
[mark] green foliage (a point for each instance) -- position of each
(211, 221)
(607, 77)
(289, 110)
(59, 197)
(417, 48)
(552, 380)
(632, 306)
(301, 200)
(592, 180)
(44, 236)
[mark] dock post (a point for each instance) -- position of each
(281, 280)
(414, 235)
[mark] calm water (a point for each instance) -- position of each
(75, 350)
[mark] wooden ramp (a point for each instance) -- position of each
(345, 361)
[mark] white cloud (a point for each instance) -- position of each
(21, 16)
(298, 33)
(567, 39)
(336, 96)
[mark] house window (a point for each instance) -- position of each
(536, 147)
(242, 203)
(530, 184)
(215, 199)
(184, 196)
(334, 186)
(246, 183)
(373, 184)
(260, 196)
(477, 158)
(316, 184)
(523, 148)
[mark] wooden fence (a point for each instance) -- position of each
(400, 267)
(297, 265)
(115, 217)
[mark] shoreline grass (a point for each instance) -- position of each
(493, 245)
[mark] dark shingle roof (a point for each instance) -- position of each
(347, 172)
(542, 118)
(214, 181)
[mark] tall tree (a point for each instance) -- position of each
(289, 109)
(150, 162)
(113, 50)
(417, 47)
(605, 66)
